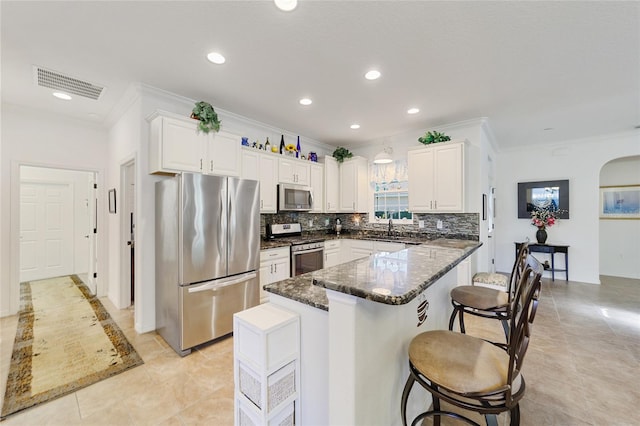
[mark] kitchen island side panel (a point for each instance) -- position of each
(354, 358)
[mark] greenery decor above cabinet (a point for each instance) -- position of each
(436, 178)
(176, 145)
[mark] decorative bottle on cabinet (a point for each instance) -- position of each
(281, 144)
(267, 145)
(298, 148)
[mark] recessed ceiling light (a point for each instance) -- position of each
(305, 101)
(355, 126)
(62, 96)
(372, 75)
(216, 58)
(548, 128)
(413, 110)
(286, 5)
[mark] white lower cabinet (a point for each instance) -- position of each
(386, 246)
(331, 253)
(266, 366)
(361, 248)
(275, 265)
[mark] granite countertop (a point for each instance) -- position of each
(389, 278)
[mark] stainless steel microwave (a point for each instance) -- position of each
(294, 198)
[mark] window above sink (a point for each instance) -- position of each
(390, 186)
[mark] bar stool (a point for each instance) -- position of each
(488, 302)
(472, 373)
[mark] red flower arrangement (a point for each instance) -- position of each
(544, 218)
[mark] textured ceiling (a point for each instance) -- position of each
(570, 66)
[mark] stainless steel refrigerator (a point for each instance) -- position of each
(207, 256)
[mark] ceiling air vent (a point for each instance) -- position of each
(67, 84)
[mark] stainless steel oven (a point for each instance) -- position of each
(307, 257)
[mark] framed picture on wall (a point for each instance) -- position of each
(112, 200)
(620, 202)
(548, 194)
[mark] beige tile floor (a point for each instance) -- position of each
(582, 368)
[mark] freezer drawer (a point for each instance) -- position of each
(207, 308)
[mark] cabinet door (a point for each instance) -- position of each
(385, 246)
(360, 249)
(183, 147)
(250, 165)
(421, 194)
(281, 269)
(317, 185)
(331, 184)
(286, 171)
(223, 154)
(331, 258)
(448, 178)
(347, 187)
(302, 171)
(268, 184)
(265, 278)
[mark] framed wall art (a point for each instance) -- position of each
(549, 194)
(620, 202)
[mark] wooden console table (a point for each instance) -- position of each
(552, 249)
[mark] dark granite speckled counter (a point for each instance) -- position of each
(389, 278)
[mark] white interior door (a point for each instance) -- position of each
(46, 230)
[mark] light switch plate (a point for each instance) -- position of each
(439, 224)
(421, 224)
(310, 222)
(326, 222)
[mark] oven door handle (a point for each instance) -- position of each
(295, 253)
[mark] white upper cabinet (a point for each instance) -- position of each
(331, 184)
(354, 174)
(176, 145)
(436, 178)
(317, 185)
(293, 170)
(263, 168)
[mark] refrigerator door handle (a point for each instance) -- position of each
(224, 282)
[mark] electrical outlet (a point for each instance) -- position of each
(421, 224)
(439, 224)
(326, 222)
(310, 223)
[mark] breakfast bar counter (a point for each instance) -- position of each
(356, 322)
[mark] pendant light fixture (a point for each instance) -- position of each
(384, 156)
(286, 5)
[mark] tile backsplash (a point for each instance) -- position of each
(464, 226)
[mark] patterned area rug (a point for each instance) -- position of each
(65, 341)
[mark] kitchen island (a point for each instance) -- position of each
(356, 322)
